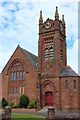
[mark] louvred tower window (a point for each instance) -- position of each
(49, 51)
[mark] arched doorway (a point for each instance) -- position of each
(49, 98)
(48, 93)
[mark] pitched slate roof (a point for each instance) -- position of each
(68, 71)
(33, 58)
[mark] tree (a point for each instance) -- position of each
(4, 103)
(24, 101)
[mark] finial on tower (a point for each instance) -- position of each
(56, 13)
(41, 18)
(63, 21)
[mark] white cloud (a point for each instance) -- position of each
(41, 1)
(21, 26)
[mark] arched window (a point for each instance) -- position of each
(74, 84)
(20, 75)
(23, 75)
(14, 75)
(11, 75)
(16, 89)
(17, 75)
(51, 52)
(66, 84)
(10, 90)
(46, 53)
(61, 55)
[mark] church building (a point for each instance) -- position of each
(47, 78)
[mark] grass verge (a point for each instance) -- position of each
(23, 116)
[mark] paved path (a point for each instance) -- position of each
(44, 112)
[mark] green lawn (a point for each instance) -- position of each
(23, 116)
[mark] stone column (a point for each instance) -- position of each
(51, 113)
(7, 115)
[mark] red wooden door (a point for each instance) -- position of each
(48, 98)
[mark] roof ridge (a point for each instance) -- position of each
(33, 58)
(29, 52)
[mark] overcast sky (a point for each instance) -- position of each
(19, 25)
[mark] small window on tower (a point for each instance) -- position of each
(45, 45)
(46, 53)
(61, 55)
(51, 53)
(52, 44)
(74, 84)
(66, 84)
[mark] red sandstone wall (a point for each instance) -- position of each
(69, 97)
(30, 78)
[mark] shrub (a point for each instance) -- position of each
(24, 101)
(32, 103)
(18, 105)
(15, 106)
(11, 104)
(4, 103)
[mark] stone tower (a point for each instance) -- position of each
(51, 55)
(51, 45)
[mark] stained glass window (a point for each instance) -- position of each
(17, 75)
(20, 75)
(23, 90)
(16, 89)
(23, 75)
(14, 75)
(10, 90)
(20, 89)
(11, 75)
(13, 90)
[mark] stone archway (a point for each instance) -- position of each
(48, 93)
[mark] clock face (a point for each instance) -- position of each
(47, 25)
